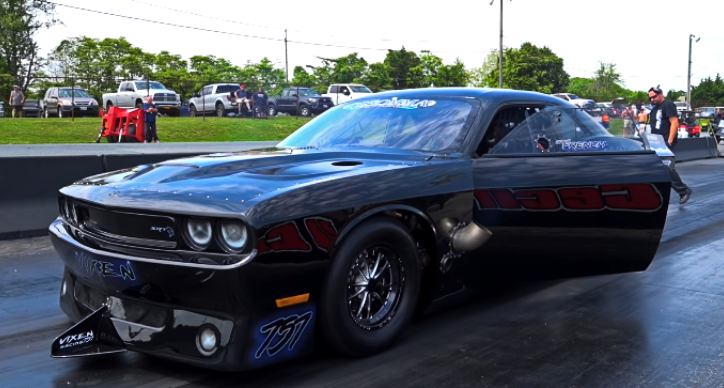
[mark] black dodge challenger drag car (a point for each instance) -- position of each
(380, 208)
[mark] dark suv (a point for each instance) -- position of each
(301, 101)
(63, 101)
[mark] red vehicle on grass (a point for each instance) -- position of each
(688, 122)
(123, 126)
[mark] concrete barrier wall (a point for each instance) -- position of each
(695, 148)
(29, 186)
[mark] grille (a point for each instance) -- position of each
(123, 228)
(164, 97)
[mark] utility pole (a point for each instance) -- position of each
(688, 75)
(500, 82)
(286, 58)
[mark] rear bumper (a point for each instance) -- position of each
(160, 309)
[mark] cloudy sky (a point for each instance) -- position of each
(647, 40)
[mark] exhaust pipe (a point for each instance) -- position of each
(469, 237)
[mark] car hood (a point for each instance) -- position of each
(230, 182)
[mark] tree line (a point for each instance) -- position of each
(98, 65)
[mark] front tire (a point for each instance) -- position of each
(304, 111)
(272, 111)
(45, 113)
(192, 111)
(60, 112)
(372, 288)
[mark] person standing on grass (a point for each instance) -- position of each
(664, 121)
(641, 120)
(605, 120)
(17, 99)
(150, 119)
(260, 101)
(628, 119)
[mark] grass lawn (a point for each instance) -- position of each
(170, 129)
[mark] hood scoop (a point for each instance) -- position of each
(347, 163)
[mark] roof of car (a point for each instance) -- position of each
(490, 94)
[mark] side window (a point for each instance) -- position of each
(560, 130)
(207, 90)
(223, 89)
(334, 89)
(343, 89)
(286, 93)
(503, 123)
(124, 86)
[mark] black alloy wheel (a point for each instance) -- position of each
(372, 288)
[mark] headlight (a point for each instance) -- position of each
(232, 235)
(312, 100)
(93, 102)
(199, 233)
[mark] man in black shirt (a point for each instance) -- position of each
(664, 120)
(260, 100)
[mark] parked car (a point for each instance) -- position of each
(132, 94)
(705, 113)
(69, 101)
(574, 99)
(217, 98)
(375, 210)
(301, 101)
(31, 108)
(681, 106)
(341, 93)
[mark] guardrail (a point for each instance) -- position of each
(30, 184)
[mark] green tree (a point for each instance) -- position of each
(478, 76)
(607, 82)
(398, 64)
(673, 95)
(709, 92)
(20, 21)
(531, 68)
(303, 78)
(379, 78)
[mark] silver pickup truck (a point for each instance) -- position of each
(132, 94)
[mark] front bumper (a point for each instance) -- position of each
(90, 110)
(160, 309)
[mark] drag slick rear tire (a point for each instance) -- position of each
(372, 288)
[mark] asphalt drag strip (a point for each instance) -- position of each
(660, 328)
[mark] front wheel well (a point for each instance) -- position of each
(422, 231)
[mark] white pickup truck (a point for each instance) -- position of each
(341, 93)
(132, 94)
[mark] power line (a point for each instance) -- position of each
(704, 67)
(250, 36)
(269, 27)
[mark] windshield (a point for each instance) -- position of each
(308, 92)
(75, 92)
(360, 89)
(573, 97)
(436, 125)
(151, 85)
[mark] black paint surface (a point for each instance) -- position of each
(659, 328)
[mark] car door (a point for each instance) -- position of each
(344, 94)
(560, 194)
(333, 93)
(51, 103)
(206, 98)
